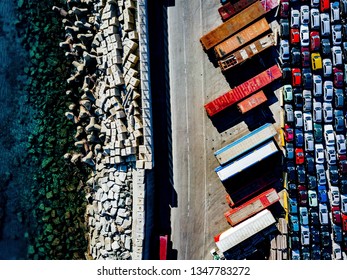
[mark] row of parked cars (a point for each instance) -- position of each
(312, 52)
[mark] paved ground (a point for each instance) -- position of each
(194, 80)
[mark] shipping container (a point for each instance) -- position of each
(228, 10)
(237, 215)
(246, 192)
(241, 91)
(240, 56)
(252, 102)
(246, 161)
(245, 143)
(241, 38)
(232, 25)
(245, 230)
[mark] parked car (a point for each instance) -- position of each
(298, 119)
(299, 156)
(315, 237)
(337, 233)
(293, 206)
(343, 8)
(289, 150)
(340, 144)
(292, 190)
(324, 5)
(294, 223)
(325, 240)
(333, 174)
(303, 216)
(295, 56)
(336, 31)
(305, 235)
(317, 86)
(287, 92)
(304, 35)
(318, 133)
(312, 198)
(304, 14)
(327, 112)
(320, 173)
(328, 91)
(308, 124)
(309, 164)
(289, 114)
(309, 142)
(335, 12)
(338, 77)
(296, 77)
(311, 182)
(314, 217)
(322, 194)
(315, 21)
(305, 58)
(307, 98)
(339, 121)
(329, 135)
(284, 28)
(323, 214)
(298, 100)
(337, 253)
(301, 174)
(317, 112)
(324, 24)
(339, 98)
(294, 18)
(330, 155)
(291, 175)
(302, 198)
(343, 201)
(284, 50)
(315, 252)
(319, 153)
(316, 61)
(294, 36)
(337, 55)
(284, 9)
(307, 79)
(314, 41)
(299, 137)
(286, 73)
(327, 67)
(336, 215)
(326, 47)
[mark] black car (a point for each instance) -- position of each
(286, 74)
(337, 233)
(314, 234)
(325, 255)
(298, 101)
(292, 190)
(295, 56)
(318, 133)
(315, 252)
(294, 242)
(325, 239)
(343, 185)
(314, 217)
(311, 182)
(284, 28)
(307, 80)
(305, 253)
(333, 174)
(326, 47)
(309, 163)
(291, 171)
(301, 174)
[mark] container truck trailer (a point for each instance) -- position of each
(232, 25)
(252, 102)
(245, 230)
(246, 161)
(241, 91)
(245, 143)
(238, 214)
(247, 52)
(241, 38)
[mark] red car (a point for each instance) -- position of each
(284, 11)
(336, 214)
(296, 77)
(299, 156)
(305, 59)
(302, 198)
(324, 5)
(314, 41)
(338, 77)
(344, 223)
(288, 133)
(294, 36)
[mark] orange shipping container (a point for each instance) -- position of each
(243, 37)
(231, 26)
(251, 102)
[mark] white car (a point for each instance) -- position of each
(304, 35)
(343, 200)
(308, 124)
(305, 235)
(317, 111)
(323, 214)
(335, 11)
(312, 198)
(315, 21)
(336, 31)
(340, 144)
(298, 119)
(329, 137)
(314, 3)
(284, 50)
(309, 142)
(324, 24)
(327, 67)
(337, 254)
(317, 85)
(294, 18)
(303, 215)
(337, 55)
(335, 196)
(327, 112)
(304, 14)
(319, 153)
(328, 91)
(330, 155)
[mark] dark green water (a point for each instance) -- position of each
(42, 197)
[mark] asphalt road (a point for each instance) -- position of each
(194, 81)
